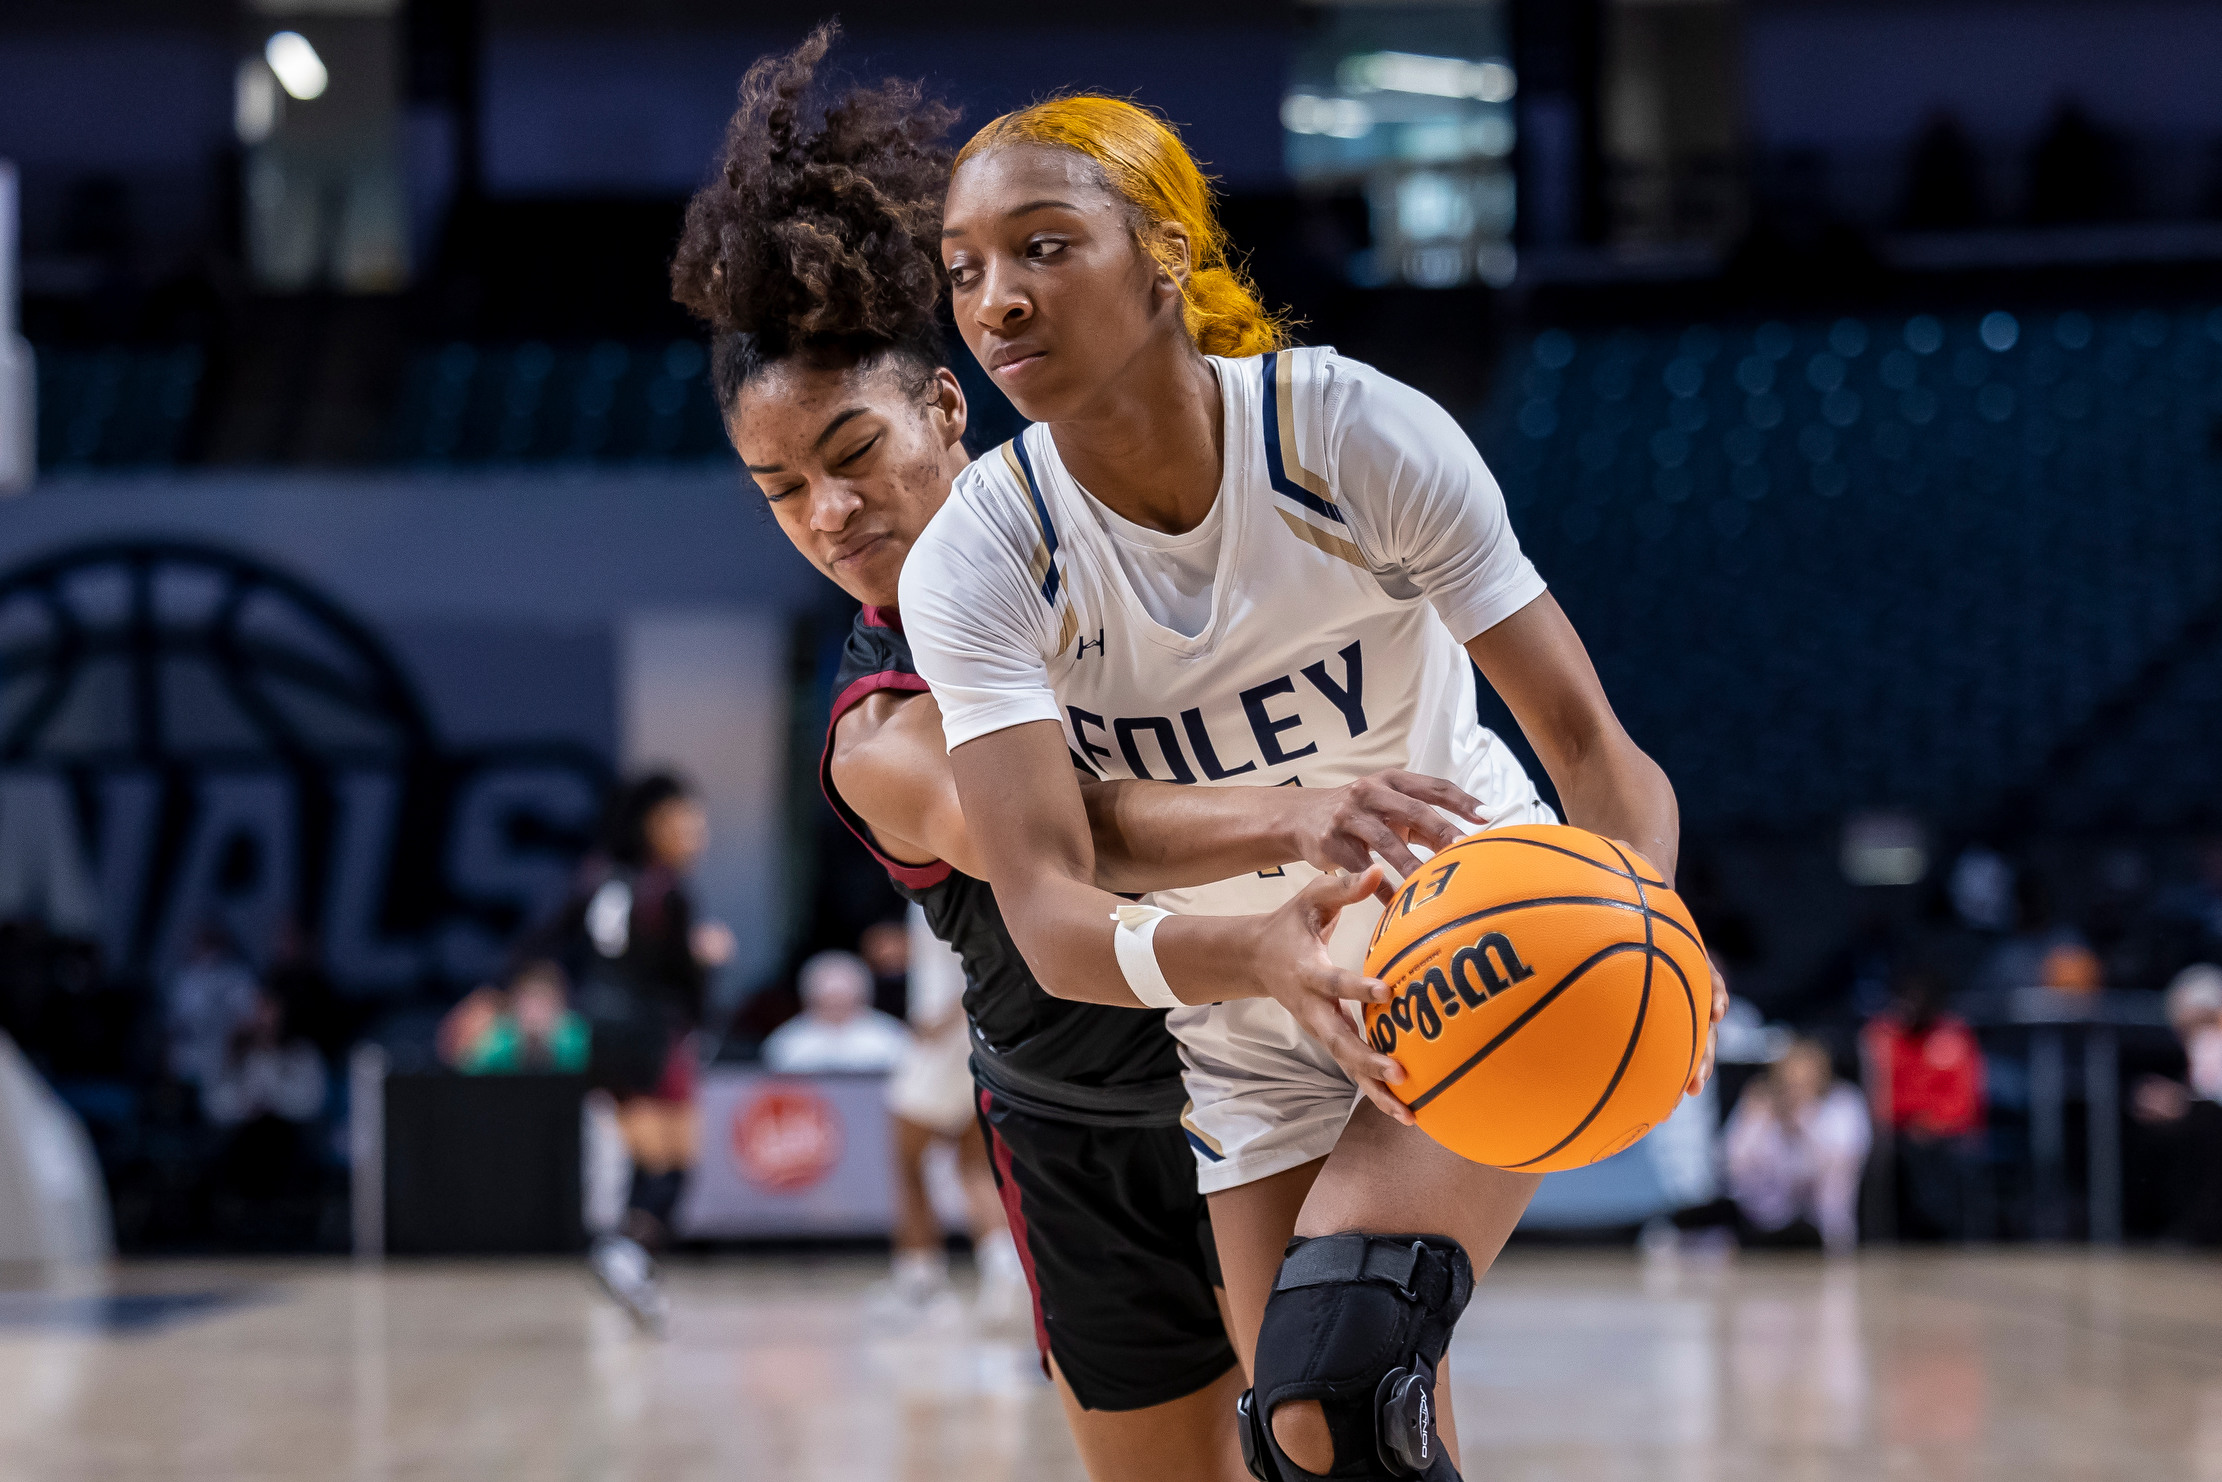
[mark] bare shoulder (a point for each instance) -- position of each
(886, 728)
(889, 764)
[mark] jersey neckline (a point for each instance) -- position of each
(1234, 466)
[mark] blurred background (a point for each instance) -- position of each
(1853, 369)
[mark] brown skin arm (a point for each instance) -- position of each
(1536, 663)
(892, 768)
(1023, 806)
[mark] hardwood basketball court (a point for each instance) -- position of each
(2023, 1367)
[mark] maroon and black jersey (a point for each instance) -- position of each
(1054, 1057)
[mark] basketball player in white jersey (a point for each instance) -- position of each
(1218, 560)
(813, 254)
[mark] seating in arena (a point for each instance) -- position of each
(115, 406)
(465, 403)
(1937, 561)
(1925, 561)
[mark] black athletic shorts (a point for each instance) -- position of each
(1118, 1251)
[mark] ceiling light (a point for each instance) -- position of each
(1440, 77)
(300, 70)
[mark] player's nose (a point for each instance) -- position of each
(831, 504)
(1003, 304)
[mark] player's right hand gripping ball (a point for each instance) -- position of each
(1549, 997)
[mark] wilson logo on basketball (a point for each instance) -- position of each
(786, 1138)
(1476, 974)
(1559, 1050)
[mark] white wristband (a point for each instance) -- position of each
(1133, 939)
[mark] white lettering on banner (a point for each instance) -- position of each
(42, 868)
(130, 812)
(362, 855)
(241, 870)
(487, 866)
(158, 862)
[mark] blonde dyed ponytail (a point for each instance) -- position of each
(1147, 164)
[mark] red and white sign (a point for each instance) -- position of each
(786, 1137)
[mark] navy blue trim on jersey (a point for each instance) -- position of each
(1041, 513)
(1276, 471)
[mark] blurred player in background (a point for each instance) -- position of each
(813, 257)
(639, 964)
(929, 1100)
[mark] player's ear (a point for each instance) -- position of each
(947, 406)
(1175, 251)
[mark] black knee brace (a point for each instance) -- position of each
(1358, 1323)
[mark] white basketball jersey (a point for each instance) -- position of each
(1353, 508)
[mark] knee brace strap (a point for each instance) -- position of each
(1359, 1322)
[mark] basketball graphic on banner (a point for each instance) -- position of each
(786, 1138)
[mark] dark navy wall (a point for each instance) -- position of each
(585, 112)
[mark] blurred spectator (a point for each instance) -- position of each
(1928, 1087)
(464, 1027)
(212, 997)
(838, 1029)
(266, 1072)
(1794, 1148)
(2188, 1113)
(535, 1030)
(267, 1097)
(931, 1099)
(885, 948)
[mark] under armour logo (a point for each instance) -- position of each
(1085, 645)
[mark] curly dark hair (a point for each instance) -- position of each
(822, 241)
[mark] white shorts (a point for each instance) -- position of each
(931, 1084)
(1264, 1096)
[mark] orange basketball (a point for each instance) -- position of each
(1550, 997)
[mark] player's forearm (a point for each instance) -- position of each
(1064, 929)
(1030, 824)
(1612, 788)
(1161, 836)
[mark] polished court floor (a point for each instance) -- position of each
(2019, 1367)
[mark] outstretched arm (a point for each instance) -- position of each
(1537, 664)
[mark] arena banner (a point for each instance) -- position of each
(378, 707)
(193, 739)
(785, 1156)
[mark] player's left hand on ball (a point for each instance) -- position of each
(1704, 1070)
(1294, 970)
(1385, 814)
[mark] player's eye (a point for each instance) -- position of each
(1044, 247)
(774, 496)
(859, 451)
